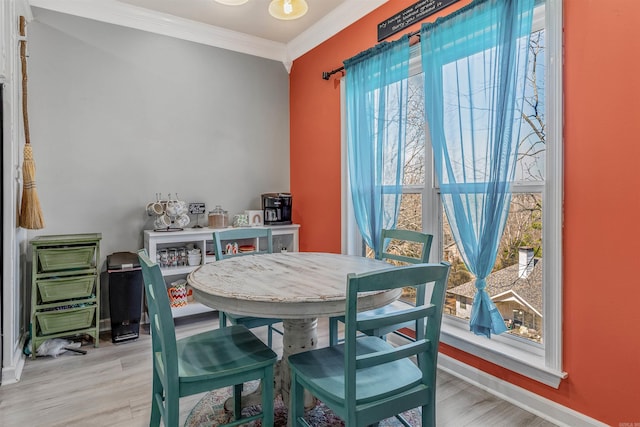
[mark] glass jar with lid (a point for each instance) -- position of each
(218, 218)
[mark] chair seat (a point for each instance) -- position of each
(324, 369)
(237, 351)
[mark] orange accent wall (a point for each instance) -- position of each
(601, 323)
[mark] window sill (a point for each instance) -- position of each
(527, 359)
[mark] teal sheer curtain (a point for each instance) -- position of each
(475, 63)
(376, 100)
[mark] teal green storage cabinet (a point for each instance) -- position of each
(65, 291)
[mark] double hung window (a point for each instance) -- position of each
(525, 284)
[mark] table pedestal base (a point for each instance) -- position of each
(299, 335)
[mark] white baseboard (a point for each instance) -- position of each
(11, 373)
(531, 402)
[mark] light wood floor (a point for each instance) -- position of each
(111, 386)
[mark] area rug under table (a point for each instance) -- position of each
(210, 412)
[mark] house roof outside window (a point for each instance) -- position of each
(505, 284)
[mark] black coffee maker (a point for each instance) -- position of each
(277, 208)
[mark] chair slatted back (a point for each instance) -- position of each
(422, 239)
(163, 335)
(241, 233)
(397, 317)
(425, 347)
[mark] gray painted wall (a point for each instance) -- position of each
(118, 115)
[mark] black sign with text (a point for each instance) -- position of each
(196, 208)
(410, 16)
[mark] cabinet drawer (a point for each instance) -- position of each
(57, 259)
(51, 322)
(66, 288)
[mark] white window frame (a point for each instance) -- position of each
(541, 362)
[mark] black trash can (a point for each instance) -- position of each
(125, 296)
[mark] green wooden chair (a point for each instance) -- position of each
(424, 241)
(239, 234)
(201, 362)
(367, 379)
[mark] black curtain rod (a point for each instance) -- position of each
(327, 74)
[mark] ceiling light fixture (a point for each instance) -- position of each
(232, 2)
(288, 9)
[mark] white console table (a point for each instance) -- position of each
(285, 239)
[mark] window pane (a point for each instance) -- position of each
(515, 285)
(410, 218)
(414, 152)
(391, 114)
(531, 152)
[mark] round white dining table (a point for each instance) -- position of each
(297, 287)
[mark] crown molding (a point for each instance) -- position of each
(124, 14)
(337, 20)
(115, 12)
